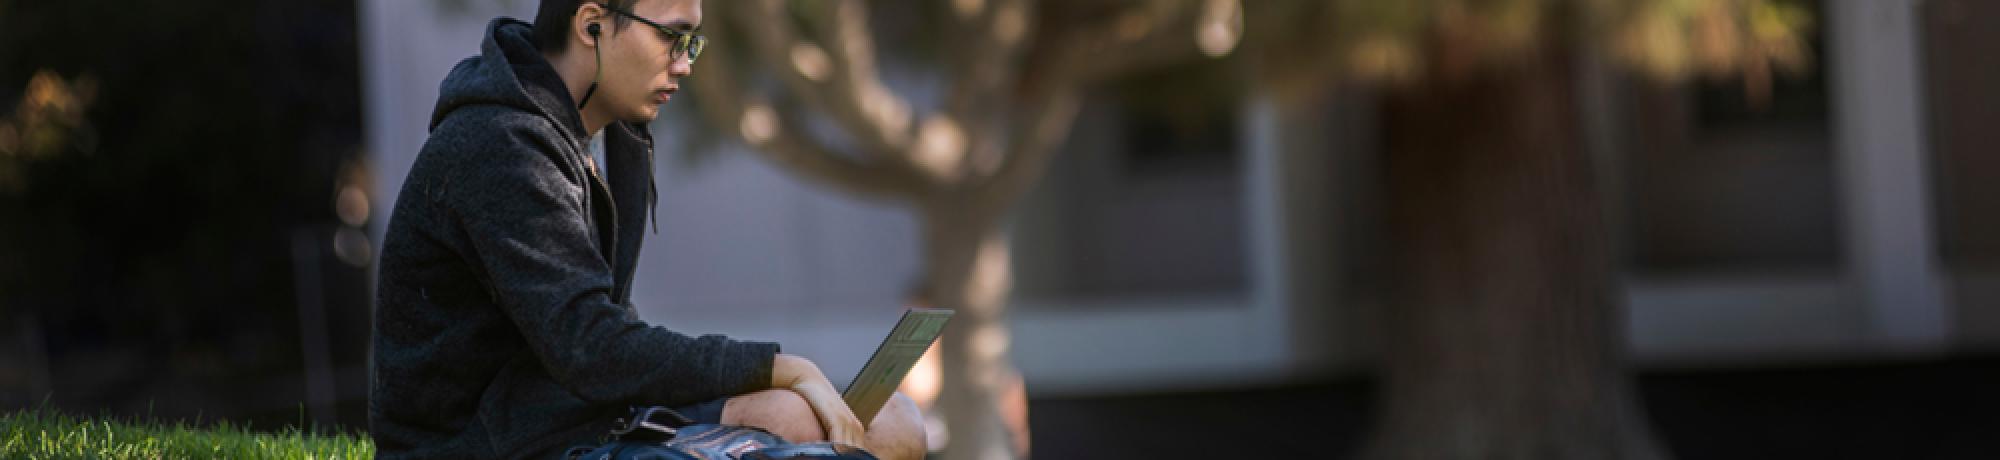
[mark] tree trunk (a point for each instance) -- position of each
(967, 268)
(1503, 340)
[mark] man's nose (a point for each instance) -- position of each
(680, 67)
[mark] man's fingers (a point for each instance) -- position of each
(850, 430)
(838, 419)
(842, 427)
(854, 433)
(851, 439)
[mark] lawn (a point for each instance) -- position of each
(47, 434)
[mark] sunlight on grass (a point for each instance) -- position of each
(47, 434)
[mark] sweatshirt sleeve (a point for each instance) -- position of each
(527, 225)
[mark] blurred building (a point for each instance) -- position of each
(1845, 217)
(1198, 232)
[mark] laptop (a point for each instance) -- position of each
(885, 370)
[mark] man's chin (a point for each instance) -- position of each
(645, 114)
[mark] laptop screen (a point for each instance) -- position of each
(885, 369)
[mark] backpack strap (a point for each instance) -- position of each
(650, 423)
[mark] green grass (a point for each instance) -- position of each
(47, 434)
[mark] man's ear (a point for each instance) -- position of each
(589, 18)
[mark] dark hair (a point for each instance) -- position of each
(553, 19)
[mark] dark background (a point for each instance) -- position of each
(165, 250)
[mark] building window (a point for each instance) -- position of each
(1717, 180)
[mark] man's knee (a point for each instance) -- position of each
(903, 410)
(782, 412)
(898, 430)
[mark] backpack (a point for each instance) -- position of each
(659, 433)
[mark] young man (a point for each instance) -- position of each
(503, 326)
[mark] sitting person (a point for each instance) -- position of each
(503, 325)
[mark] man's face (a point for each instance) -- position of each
(640, 70)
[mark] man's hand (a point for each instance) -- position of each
(802, 376)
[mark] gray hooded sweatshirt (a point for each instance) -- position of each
(503, 322)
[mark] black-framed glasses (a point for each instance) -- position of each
(685, 43)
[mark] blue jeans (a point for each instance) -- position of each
(695, 432)
(719, 442)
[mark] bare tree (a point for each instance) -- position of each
(1502, 340)
(1015, 69)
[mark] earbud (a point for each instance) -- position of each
(597, 51)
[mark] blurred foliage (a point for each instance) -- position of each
(1713, 37)
(47, 121)
(1309, 42)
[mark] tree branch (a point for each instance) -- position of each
(1155, 34)
(1041, 130)
(1075, 56)
(778, 135)
(839, 80)
(985, 58)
